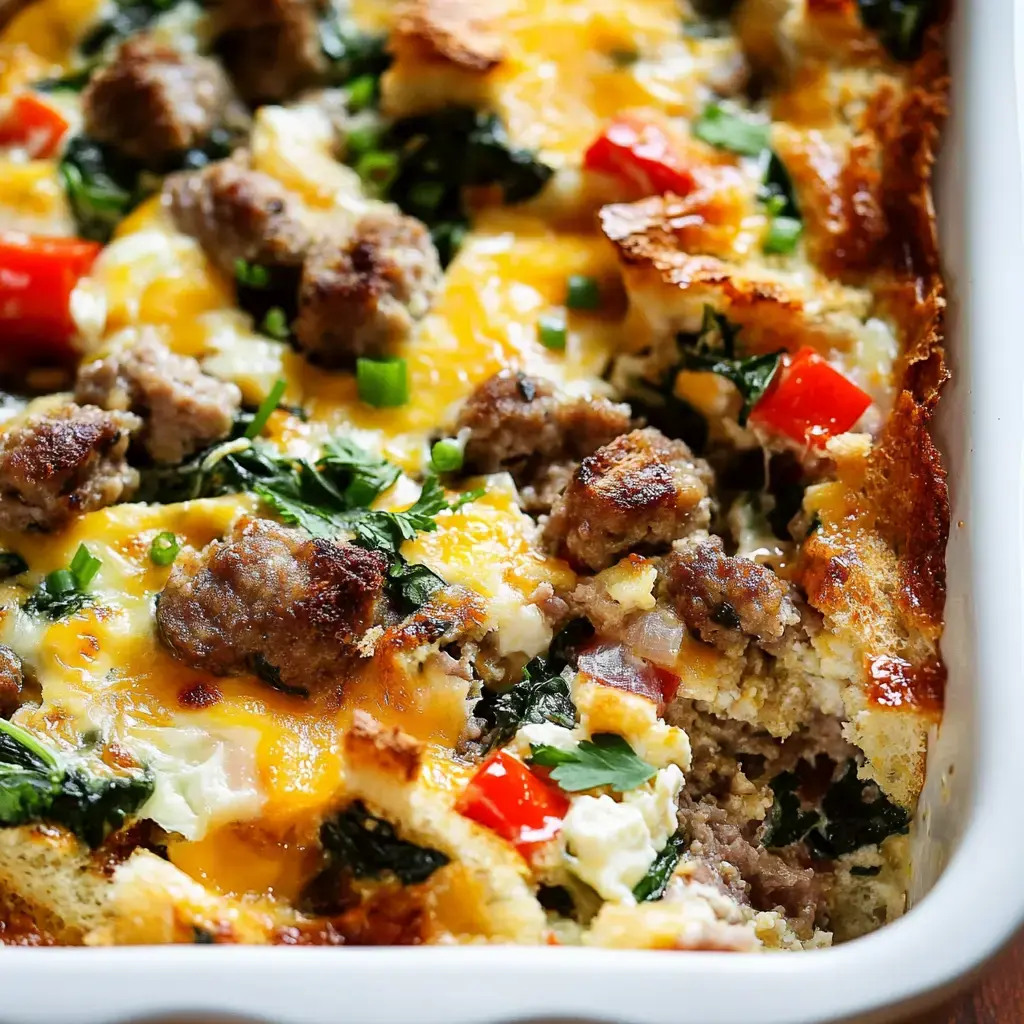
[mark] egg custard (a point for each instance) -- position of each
(464, 469)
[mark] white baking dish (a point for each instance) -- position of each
(968, 885)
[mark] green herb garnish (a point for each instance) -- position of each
(653, 885)
(446, 455)
(64, 591)
(606, 760)
(252, 275)
(383, 383)
(731, 130)
(714, 351)
(164, 549)
(552, 332)
(266, 407)
(583, 292)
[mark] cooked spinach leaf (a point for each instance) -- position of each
(101, 186)
(423, 163)
(787, 821)
(269, 673)
(899, 24)
(653, 885)
(64, 591)
(72, 81)
(410, 586)
(36, 786)
(714, 351)
(369, 847)
(853, 814)
(541, 694)
(605, 760)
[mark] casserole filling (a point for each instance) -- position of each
(464, 470)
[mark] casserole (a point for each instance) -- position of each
(973, 762)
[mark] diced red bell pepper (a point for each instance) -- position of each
(37, 277)
(810, 401)
(33, 123)
(640, 153)
(506, 797)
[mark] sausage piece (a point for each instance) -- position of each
(61, 462)
(640, 491)
(361, 297)
(237, 213)
(182, 408)
(273, 601)
(517, 422)
(152, 102)
(11, 680)
(271, 48)
(726, 600)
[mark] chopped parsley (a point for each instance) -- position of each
(606, 760)
(731, 130)
(714, 351)
(35, 785)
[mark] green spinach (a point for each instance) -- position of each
(35, 785)
(899, 24)
(357, 841)
(714, 351)
(653, 885)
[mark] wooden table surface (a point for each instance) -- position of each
(997, 999)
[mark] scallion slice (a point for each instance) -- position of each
(552, 332)
(583, 292)
(266, 407)
(84, 567)
(446, 455)
(164, 549)
(382, 383)
(783, 235)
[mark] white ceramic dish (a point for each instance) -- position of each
(968, 887)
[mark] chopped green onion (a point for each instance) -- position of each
(732, 131)
(426, 196)
(583, 292)
(783, 235)
(360, 141)
(446, 455)
(361, 92)
(266, 407)
(252, 275)
(61, 581)
(378, 169)
(551, 331)
(275, 324)
(164, 549)
(84, 567)
(383, 383)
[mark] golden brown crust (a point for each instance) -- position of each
(369, 744)
(449, 32)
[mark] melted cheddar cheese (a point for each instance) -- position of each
(245, 775)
